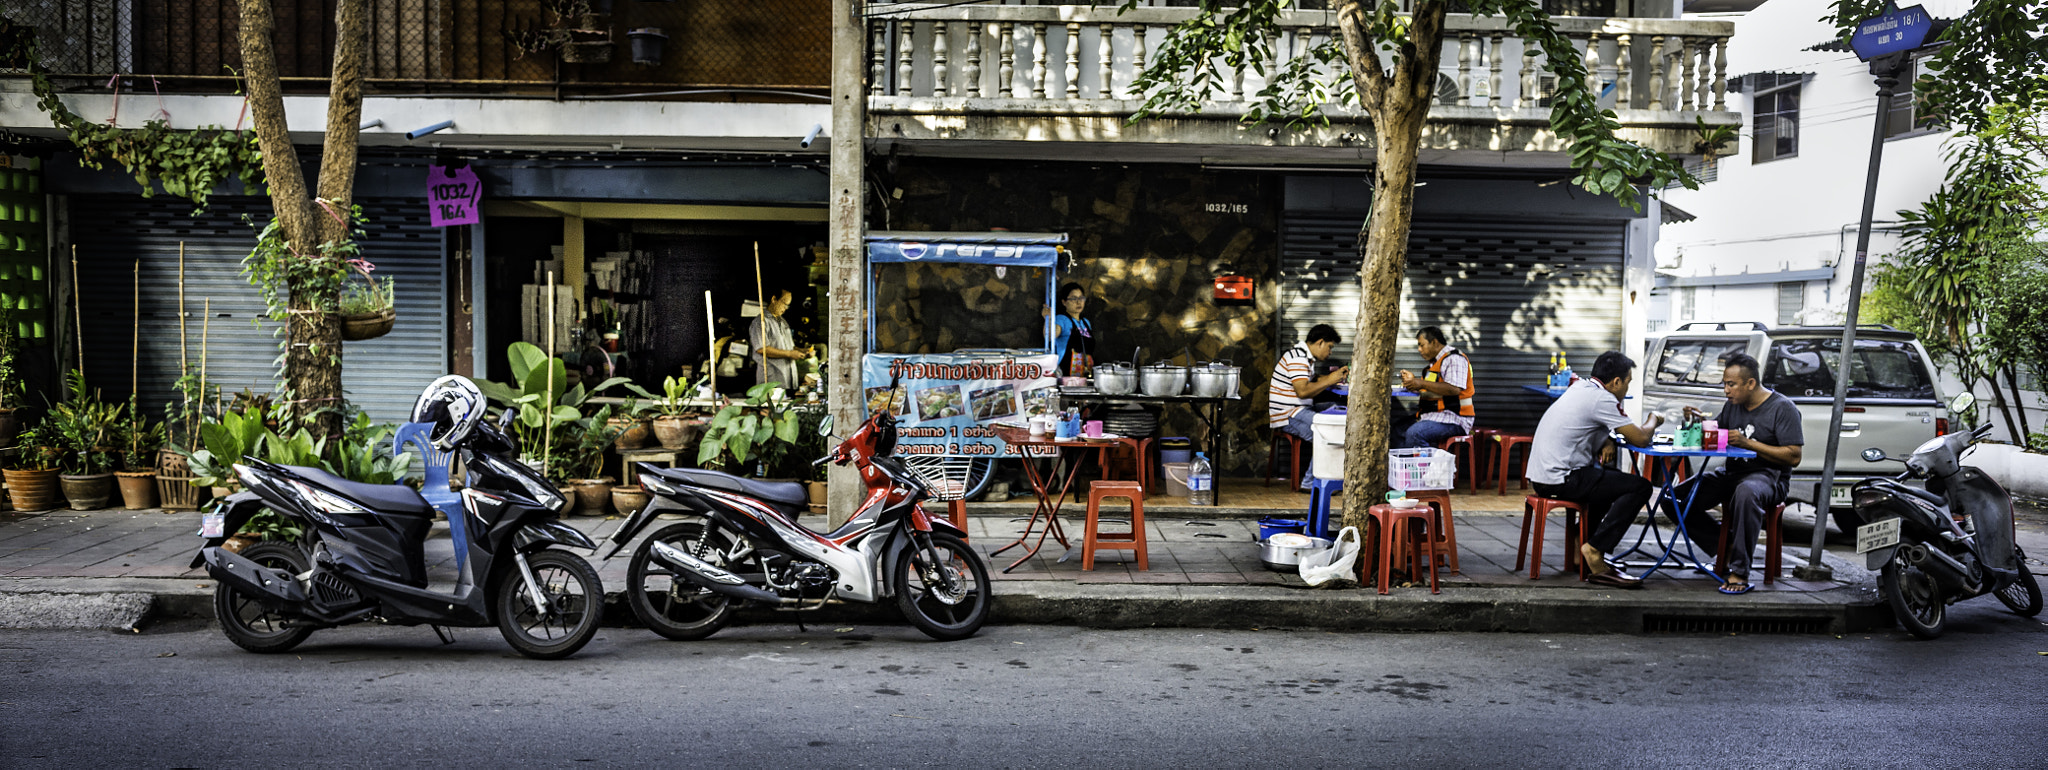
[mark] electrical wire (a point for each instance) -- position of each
(925, 7)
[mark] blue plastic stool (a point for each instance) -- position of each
(434, 468)
(1320, 492)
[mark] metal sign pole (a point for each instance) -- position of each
(1886, 68)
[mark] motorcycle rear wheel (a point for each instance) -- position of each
(1915, 597)
(2024, 595)
(678, 609)
(248, 624)
(575, 600)
(920, 593)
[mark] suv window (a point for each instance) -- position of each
(1696, 362)
(1880, 369)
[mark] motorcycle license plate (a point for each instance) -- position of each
(1841, 495)
(1875, 535)
(213, 524)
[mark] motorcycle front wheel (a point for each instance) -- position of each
(943, 613)
(250, 625)
(672, 607)
(2024, 595)
(573, 597)
(1915, 597)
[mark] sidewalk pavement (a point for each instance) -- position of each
(116, 568)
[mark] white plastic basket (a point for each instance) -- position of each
(946, 477)
(1424, 468)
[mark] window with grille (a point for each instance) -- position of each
(1791, 300)
(1775, 116)
(1686, 295)
(1907, 116)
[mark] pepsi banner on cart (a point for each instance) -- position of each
(972, 248)
(944, 403)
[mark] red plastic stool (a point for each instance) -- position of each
(1508, 442)
(1294, 451)
(1134, 540)
(1444, 540)
(1536, 511)
(1774, 546)
(1474, 460)
(1393, 524)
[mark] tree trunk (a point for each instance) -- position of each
(313, 350)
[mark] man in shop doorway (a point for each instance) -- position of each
(1291, 391)
(774, 348)
(1445, 407)
(1563, 465)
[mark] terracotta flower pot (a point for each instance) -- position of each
(238, 542)
(817, 490)
(33, 490)
(138, 489)
(591, 495)
(676, 431)
(629, 499)
(633, 432)
(88, 493)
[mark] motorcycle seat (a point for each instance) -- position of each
(387, 498)
(784, 492)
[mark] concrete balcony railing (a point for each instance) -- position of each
(1049, 72)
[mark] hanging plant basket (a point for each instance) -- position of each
(357, 327)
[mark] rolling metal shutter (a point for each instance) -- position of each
(1507, 291)
(382, 376)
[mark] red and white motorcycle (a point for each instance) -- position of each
(741, 544)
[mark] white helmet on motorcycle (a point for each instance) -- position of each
(454, 405)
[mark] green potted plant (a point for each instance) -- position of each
(630, 426)
(139, 440)
(752, 434)
(12, 385)
(222, 443)
(87, 431)
(32, 472)
(182, 418)
(583, 443)
(367, 309)
(675, 425)
(265, 525)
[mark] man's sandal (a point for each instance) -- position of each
(1733, 588)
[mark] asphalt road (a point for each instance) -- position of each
(1028, 696)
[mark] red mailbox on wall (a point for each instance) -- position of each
(1233, 287)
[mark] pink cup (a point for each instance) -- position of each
(1092, 428)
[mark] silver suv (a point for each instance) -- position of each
(1894, 399)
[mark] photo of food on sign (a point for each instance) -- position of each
(939, 403)
(879, 399)
(994, 402)
(1039, 401)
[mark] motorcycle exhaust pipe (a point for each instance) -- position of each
(1951, 574)
(701, 573)
(272, 588)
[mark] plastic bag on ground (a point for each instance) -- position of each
(1336, 566)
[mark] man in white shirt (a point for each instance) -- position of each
(1563, 466)
(1291, 390)
(775, 352)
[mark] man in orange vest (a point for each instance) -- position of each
(1446, 389)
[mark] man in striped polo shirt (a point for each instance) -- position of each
(1294, 385)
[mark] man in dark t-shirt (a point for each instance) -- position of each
(1764, 422)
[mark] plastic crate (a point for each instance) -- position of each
(1425, 468)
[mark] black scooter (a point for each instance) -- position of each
(1952, 541)
(367, 544)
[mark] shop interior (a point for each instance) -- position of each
(629, 283)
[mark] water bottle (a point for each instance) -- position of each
(1201, 481)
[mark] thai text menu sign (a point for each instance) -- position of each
(944, 403)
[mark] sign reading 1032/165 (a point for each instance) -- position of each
(1227, 208)
(454, 196)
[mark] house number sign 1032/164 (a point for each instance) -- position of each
(454, 196)
(1227, 208)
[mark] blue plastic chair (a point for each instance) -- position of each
(434, 473)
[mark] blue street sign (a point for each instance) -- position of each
(1901, 30)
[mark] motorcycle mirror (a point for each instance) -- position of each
(1874, 455)
(825, 426)
(506, 416)
(1961, 403)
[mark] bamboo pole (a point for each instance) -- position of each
(547, 419)
(135, 350)
(184, 365)
(77, 313)
(711, 333)
(205, 327)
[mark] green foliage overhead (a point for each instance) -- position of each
(1195, 63)
(1990, 56)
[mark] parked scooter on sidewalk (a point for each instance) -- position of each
(1952, 541)
(740, 545)
(367, 544)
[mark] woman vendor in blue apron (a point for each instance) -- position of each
(1075, 343)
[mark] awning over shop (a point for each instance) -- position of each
(998, 248)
